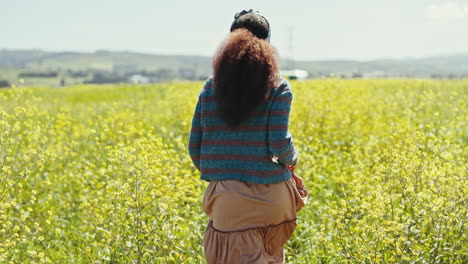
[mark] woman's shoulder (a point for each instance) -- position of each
(284, 84)
(209, 83)
(207, 88)
(282, 87)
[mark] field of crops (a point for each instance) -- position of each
(101, 174)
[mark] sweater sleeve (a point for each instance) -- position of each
(279, 138)
(196, 132)
(196, 136)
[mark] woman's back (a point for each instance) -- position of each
(247, 152)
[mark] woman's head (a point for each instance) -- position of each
(245, 68)
(254, 22)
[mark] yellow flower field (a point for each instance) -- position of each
(101, 174)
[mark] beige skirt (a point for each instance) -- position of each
(249, 222)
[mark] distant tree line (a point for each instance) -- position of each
(106, 77)
(160, 75)
(130, 73)
(51, 74)
(449, 76)
(78, 74)
(358, 75)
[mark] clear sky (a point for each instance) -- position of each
(325, 29)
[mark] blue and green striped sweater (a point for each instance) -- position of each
(258, 151)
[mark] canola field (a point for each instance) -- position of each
(101, 174)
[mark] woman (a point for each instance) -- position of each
(241, 144)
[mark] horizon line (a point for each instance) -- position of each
(463, 53)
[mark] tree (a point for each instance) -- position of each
(4, 84)
(106, 77)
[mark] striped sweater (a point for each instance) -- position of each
(258, 151)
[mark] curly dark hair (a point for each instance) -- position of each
(245, 69)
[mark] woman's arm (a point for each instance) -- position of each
(279, 139)
(196, 132)
(196, 136)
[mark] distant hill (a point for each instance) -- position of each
(165, 67)
(437, 66)
(98, 60)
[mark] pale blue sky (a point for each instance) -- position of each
(327, 29)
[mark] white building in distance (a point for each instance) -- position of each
(294, 74)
